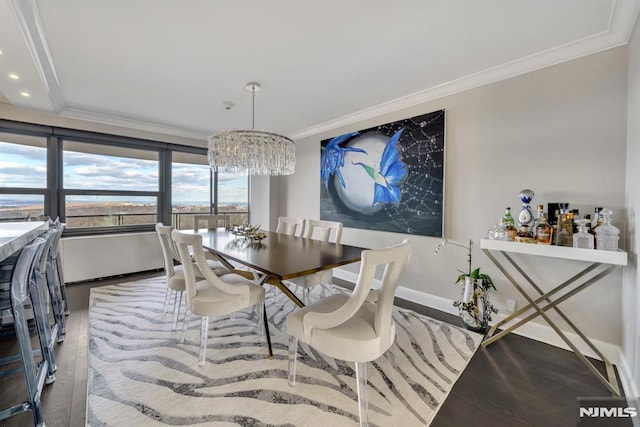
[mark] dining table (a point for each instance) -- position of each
(15, 235)
(276, 258)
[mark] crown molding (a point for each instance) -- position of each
(29, 21)
(105, 119)
(621, 23)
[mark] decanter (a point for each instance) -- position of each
(607, 234)
(526, 216)
(564, 232)
(582, 239)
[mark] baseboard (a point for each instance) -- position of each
(535, 331)
(626, 377)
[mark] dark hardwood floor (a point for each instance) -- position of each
(514, 382)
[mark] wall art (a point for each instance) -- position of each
(389, 177)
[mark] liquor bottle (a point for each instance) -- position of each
(564, 232)
(525, 217)
(575, 214)
(544, 231)
(597, 221)
(582, 239)
(539, 215)
(509, 224)
(590, 227)
(525, 235)
(607, 234)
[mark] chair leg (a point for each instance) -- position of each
(185, 325)
(166, 300)
(204, 332)
(176, 311)
(363, 404)
(63, 287)
(293, 354)
(260, 315)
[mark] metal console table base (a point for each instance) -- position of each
(543, 301)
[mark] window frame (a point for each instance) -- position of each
(55, 194)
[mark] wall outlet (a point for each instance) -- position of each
(510, 306)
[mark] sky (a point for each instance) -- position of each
(25, 166)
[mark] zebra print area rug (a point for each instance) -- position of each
(140, 376)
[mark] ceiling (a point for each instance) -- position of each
(171, 65)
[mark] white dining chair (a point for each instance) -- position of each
(213, 295)
(290, 226)
(175, 273)
(213, 221)
(324, 231)
(357, 327)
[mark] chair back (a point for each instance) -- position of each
(395, 260)
(169, 250)
(290, 226)
(213, 221)
(191, 245)
(24, 270)
(322, 230)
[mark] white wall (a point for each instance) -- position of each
(630, 292)
(560, 131)
(91, 257)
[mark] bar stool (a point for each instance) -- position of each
(23, 285)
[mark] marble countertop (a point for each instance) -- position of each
(15, 235)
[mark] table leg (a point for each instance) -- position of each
(265, 319)
(610, 383)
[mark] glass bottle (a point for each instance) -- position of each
(544, 231)
(564, 232)
(509, 224)
(575, 214)
(536, 222)
(607, 234)
(590, 227)
(597, 221)
(525, 217)
(582, 239)
(525, 235)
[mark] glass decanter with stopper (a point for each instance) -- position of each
(582, 239)
(607, 235)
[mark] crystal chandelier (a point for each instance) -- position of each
(251, 152)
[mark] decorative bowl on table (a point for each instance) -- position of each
(247, 231)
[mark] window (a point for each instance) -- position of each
(190, 188)
(23, 176)
(98, 183)
(233, 197)
(109, 186)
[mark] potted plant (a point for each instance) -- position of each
(474, 307)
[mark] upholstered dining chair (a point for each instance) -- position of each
(354, 328)
(213, 221)
(175, 273)
(290, 226)
(325, 231)
(213, 295)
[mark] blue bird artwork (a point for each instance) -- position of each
(391, 175)
(332, 158)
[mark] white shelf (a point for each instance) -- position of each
(590, 255)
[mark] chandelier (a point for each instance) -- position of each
(251, 152)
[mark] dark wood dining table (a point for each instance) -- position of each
(277, 258)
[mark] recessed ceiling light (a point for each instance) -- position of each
(14, 76)
(1, 52)
(25, 94)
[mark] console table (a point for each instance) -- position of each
(599, 264)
